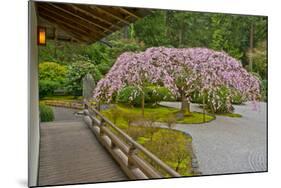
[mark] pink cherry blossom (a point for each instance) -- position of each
(181, 70)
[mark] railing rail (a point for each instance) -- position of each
(125, 151)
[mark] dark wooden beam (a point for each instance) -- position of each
(111, 14)
(78, 16)
(90, 12)
(69, 23)
(70, 19)
(129, 12)
(74, 33)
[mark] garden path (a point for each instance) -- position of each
(230, 145)
(70, 153)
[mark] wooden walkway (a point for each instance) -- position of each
(70, 154)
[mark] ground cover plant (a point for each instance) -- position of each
(171, 146)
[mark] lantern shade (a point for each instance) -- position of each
(41, 36)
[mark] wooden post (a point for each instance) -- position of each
(55, 41)
(204, 116)
(132, 151)
(142, 103)
(102, 123)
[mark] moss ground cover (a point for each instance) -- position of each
(171, 146)
(159, 114)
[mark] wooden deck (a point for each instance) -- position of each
(70, 154)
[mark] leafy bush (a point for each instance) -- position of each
(129, 95)
(52, 71)
(196, 97)
(76, 72)
(52, 76)
(46, 113)
(217, 102)
(264, 90)
(236, 98)
(152, 94)
(47, 87)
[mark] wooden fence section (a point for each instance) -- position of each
(65, 104)
(125, 150)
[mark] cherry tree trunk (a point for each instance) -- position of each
(142, 104)
(185, 105)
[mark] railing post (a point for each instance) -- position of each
(132, 151)
(102, 123)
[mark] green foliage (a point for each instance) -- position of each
(172, 147)
(129, 95)
(260, 59)
(52, 76)
(237, 98)
(76, 72)
(120, 46)
(132, 95)
(52, 71)
(46, 113)
(216, 103)
(47, 88)
(152, 30)
(264, 90)
(153, 114)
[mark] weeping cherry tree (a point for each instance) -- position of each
(182, 71)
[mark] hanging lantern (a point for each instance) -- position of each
(41, 36)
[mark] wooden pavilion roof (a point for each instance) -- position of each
(84, 23)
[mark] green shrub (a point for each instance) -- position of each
(264, 90)
(47, 87)
(46, 113)
(129, 95)
(217, 102)
(237, 98)
(52, 76)
(152, 94)
(196, 97)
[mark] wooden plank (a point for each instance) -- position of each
(70, 154)
(71, 19)
(70, 32)
(129, 12)
(86, 10)
(66, 27)
(115, 140)
(111, 14)
(75, 25)
(79, 16)
(146, 168)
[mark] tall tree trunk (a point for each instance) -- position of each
(185, 105)
(142, 103)
(180, 37)
(204, 108)
(126, 32)
(55, 37)
(166, 23)
(251, 47)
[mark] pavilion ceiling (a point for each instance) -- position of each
(85, 23)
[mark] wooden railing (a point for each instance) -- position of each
(65, 104)
(124, 149)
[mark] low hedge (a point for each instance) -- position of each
(131, 95)
(46, 113)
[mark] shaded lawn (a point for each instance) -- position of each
(159, 113)
(164, 143)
